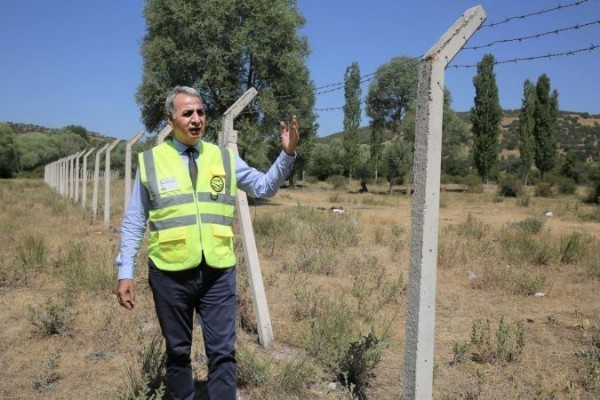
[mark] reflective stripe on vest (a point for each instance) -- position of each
(186, 225)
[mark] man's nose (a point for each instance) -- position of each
(195, 117)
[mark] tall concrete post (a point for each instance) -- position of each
(160, 137)
(96, 180)
(131, 142)
(77, 174)
(107, 183)
(228, 137)
(84, 178)
(420, 319)
(71, 176)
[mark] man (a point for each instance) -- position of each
(185, 189)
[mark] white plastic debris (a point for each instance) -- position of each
(540, 294)
(548, 214)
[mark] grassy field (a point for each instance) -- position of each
(518, 303)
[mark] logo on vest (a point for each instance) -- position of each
(217, 184)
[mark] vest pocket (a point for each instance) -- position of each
(172, 244)
(223, 236)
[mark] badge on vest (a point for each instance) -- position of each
(168, 184)
(217, 184)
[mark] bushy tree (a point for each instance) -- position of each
(223, 48)
(455, 140)
(527, 129)
(485, 117)
(546, 126)
(327, 160)
(352, 116)
(397, 160)
(391, 95)
(9, 156)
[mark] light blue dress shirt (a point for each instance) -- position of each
(249, 179)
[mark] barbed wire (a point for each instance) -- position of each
(559, 7)
(591, 47)
(335, 86)
(535, 36)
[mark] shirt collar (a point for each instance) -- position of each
(180, 147)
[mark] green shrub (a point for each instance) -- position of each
(566, 186)
(543, 189)
(523, 200)
(531, 225)
(338, 181)
(51, 318)
(510, 186)
(356, 368)
(473, 184)
(50, 377)
(31, 252)
(253, 368)
(330, 332)
(508, 346)
(146, 377)
(573, 248)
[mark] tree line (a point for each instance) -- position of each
(236, 44)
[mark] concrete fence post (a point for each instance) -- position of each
(420, 318)
(96, 180)
(84, 178)
(160, 137)
(107, 183)
(228, 137)
(128, 146)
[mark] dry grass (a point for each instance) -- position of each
(317, 265)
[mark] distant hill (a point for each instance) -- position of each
(20, 127)
(579, 133)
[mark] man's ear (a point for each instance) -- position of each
(169, 120)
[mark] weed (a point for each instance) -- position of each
(330, 331)
(308, 302)
(523, 200)
(335, 198)
(528, 284)
(379, 235)
(146, 379)
(471, 228)
(51, 318)
(460, 351)
(531, 225)
(373, 201)
(356, 368)
(49, 378)
(293, 374)
(509, 344)
(32, 251)
(253, 368)
(87, 268)
(390, 291)
(338, 181)
(572, 248)
(271, 231)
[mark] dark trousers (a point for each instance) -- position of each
(211, 292)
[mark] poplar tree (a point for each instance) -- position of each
(546, 126)
(352, 114)
(526, 129)
(486, 115)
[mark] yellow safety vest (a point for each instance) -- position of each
(186, 224)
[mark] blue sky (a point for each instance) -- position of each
(78, 62)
